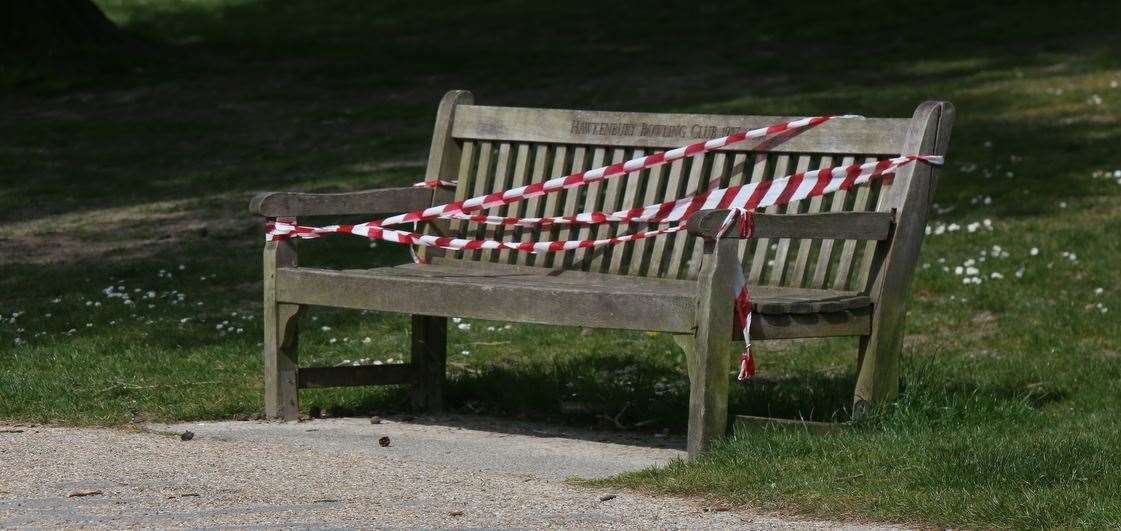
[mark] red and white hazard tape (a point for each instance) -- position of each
(760, 194)
(436, 183)
(748, 196)
(742, 298)
(741, 200)
(613, 170)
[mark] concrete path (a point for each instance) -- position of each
(334, 473)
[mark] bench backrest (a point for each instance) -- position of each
(490, 149)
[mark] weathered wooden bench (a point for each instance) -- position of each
(836, 265)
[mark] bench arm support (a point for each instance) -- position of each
(376, 201)
(830, 225)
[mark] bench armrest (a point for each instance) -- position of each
(829, 225)
(377, 201)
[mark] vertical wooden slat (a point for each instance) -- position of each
(630, 200)
(681, 248)
(464, 186)
(521, 171)
(571, 200)
(500, 182)
(747, 252)
(595, 257)
(825, 254)
(763, 245)
(593, 193)
(673, 184)
(844, 265)
(717, 178)
(483, 177)
(805, 245)
(554, 203)
(778, 270)
(640, 264)
(533, 205)
(737, 174)
(882, 205)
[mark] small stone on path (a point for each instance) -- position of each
(81, 493)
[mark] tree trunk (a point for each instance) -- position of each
(47, 26)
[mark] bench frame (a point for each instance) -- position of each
(897, 232)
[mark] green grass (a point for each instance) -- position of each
(121, 167)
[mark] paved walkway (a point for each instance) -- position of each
(334, 473)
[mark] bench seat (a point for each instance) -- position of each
(573, 298)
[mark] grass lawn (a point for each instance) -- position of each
(130, 270)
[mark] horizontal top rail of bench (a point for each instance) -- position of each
(829, 225)
(664, 130)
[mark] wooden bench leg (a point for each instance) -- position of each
(708, 364)
(709, 350)
(877, 378)
(281, 357)
(430, 359)
(281, 337)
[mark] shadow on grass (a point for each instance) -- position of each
(635, 395)
(270, 94)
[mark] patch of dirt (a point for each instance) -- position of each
(120, 233)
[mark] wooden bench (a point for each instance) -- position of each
(838, 265)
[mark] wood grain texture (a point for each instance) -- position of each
(429, 350)
(869, 135)
(593, 196)
(710, 353)
(804, 245)
(281, 336)
(484, 174)
(526, 298)
(570, 205)
(825, 253)
(445, 156)
(630, 200)
(763, 245)
(379, 201)
(766, 326)
(679, 244)
(844, 276)
(465, 176)
(662, 247)
(612, 195)
(854, 225)
(499, 181)
(519, 178)
(778, 268)
(912, 194)
(444, 152)
(534, 205)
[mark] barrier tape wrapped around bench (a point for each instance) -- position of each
(740, 200)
